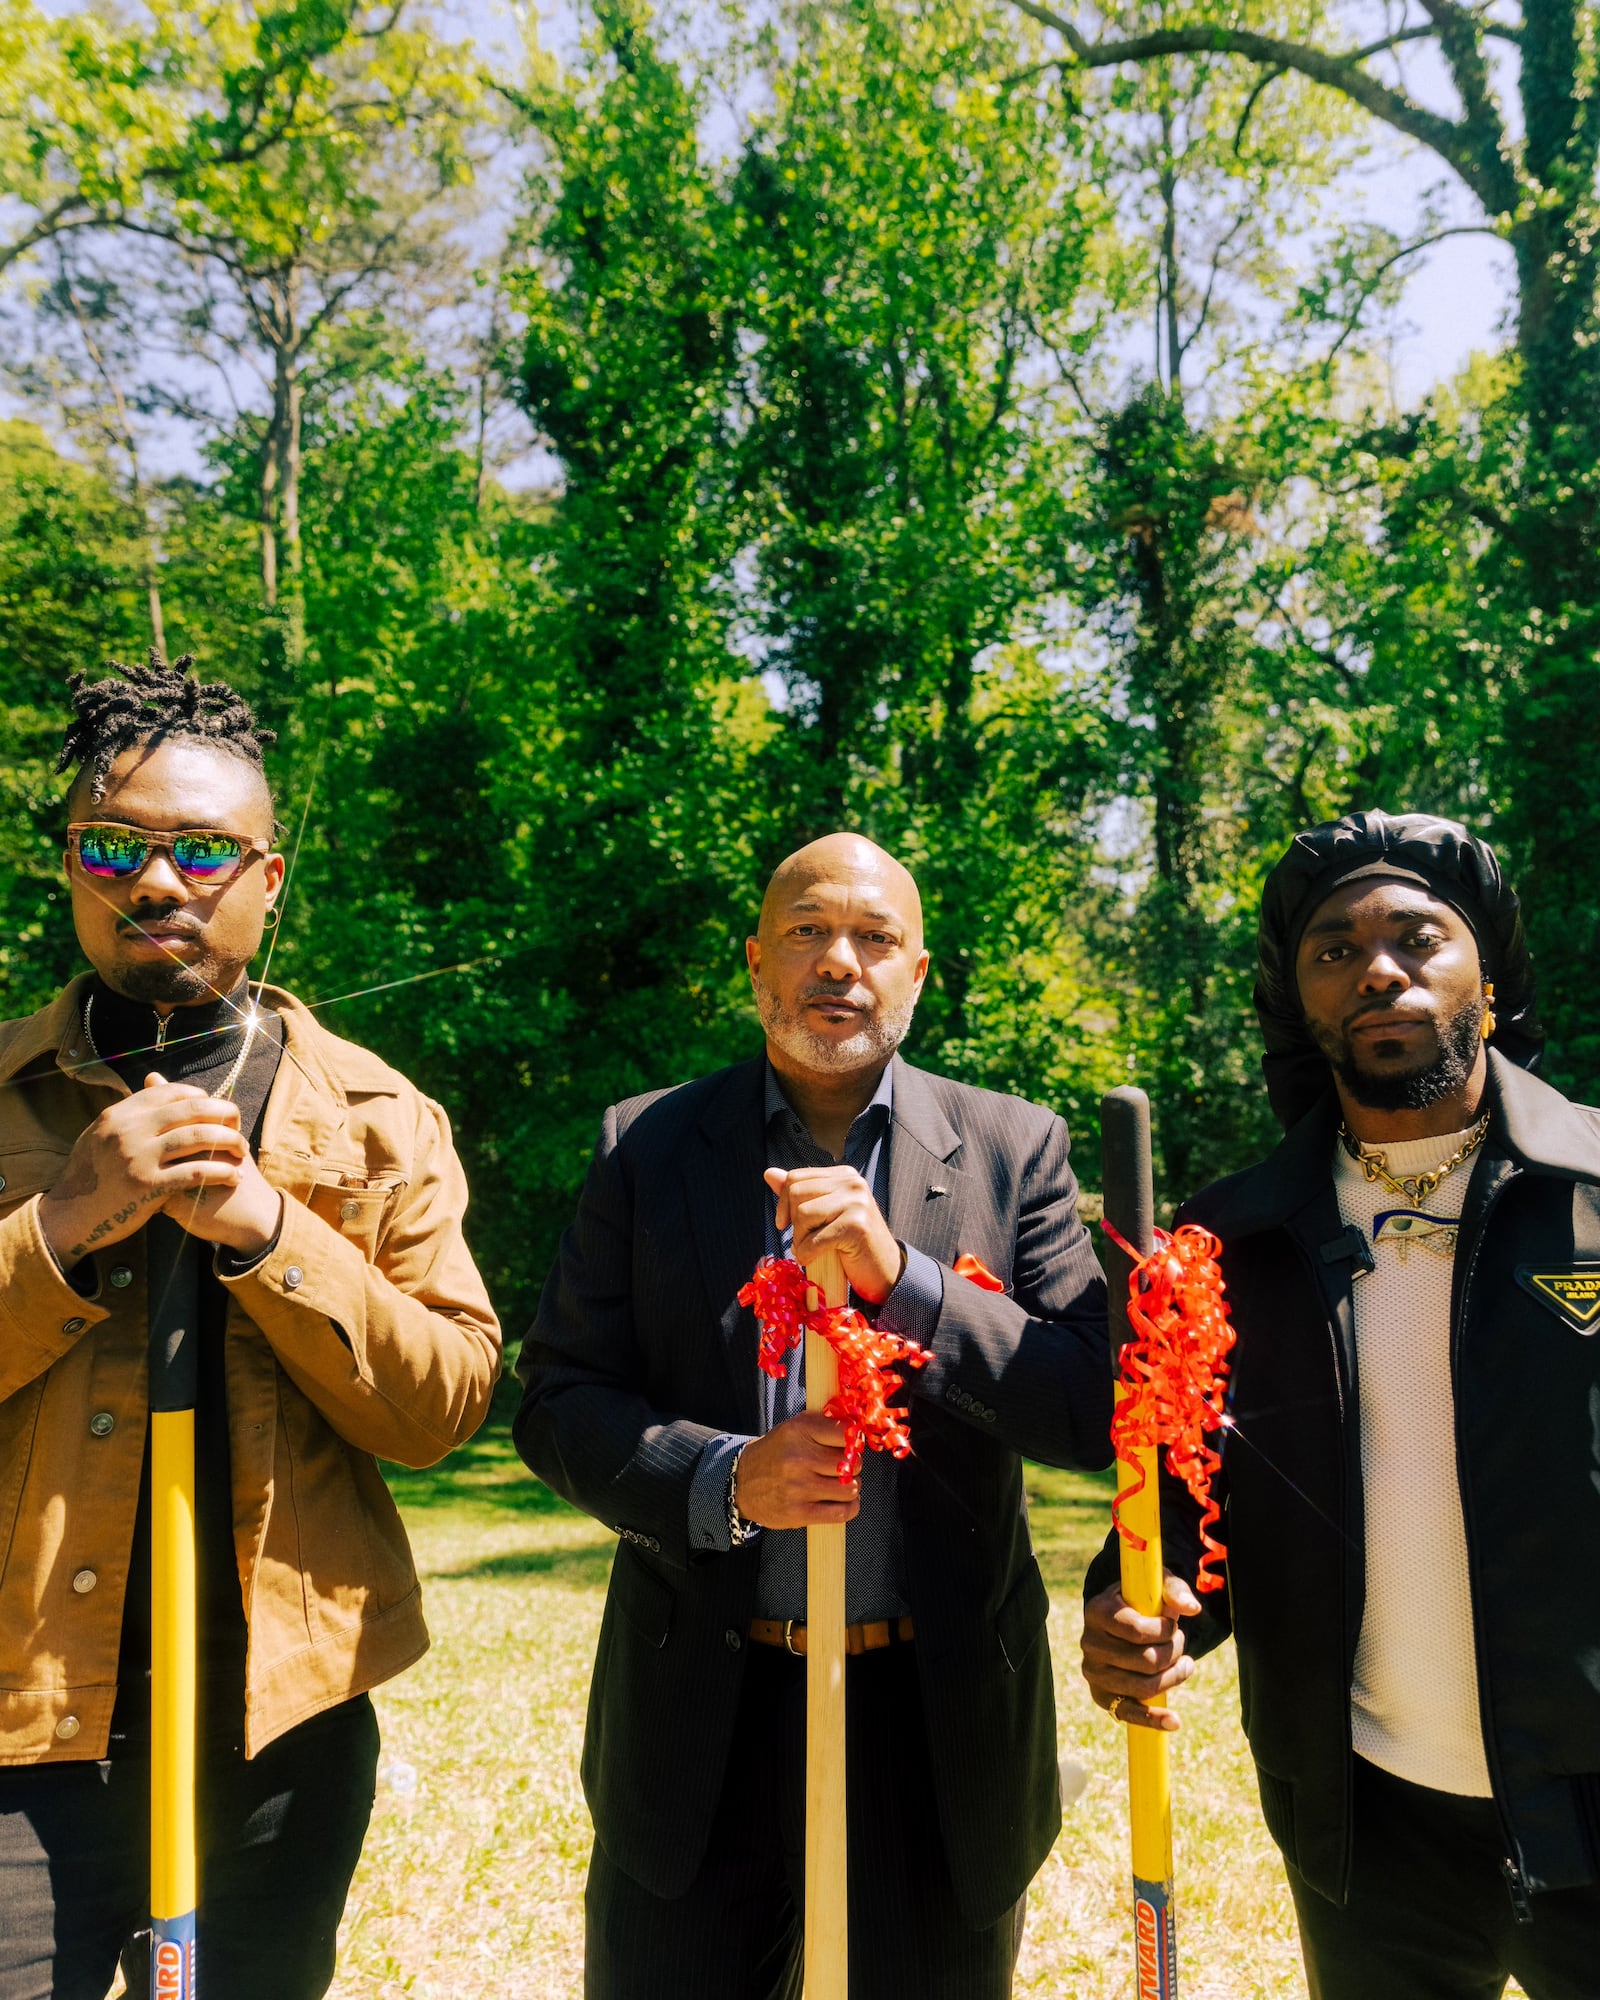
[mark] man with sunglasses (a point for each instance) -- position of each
(341, 1319)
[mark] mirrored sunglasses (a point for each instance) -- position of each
(116, 853)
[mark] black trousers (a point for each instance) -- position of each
(1430, 1916)
(280, 1837)
(737, 1933)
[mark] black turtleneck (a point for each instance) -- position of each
(198, 1045)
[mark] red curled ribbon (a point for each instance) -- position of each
(867, 1355)
(1173, 1370)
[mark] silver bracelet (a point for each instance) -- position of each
(739, 1529)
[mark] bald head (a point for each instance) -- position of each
(837, 961)
(849, 862)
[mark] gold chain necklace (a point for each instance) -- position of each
(1375, 1165)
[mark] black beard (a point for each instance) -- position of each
(168, 985)
(1415, 1090)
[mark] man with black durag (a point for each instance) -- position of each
(1412, 1472)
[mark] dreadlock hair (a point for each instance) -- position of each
(149, 704)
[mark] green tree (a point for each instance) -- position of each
(1202, 537)
(289, 167)
(913, 241)
(100, 110)
(70, 592)
(1523, 140)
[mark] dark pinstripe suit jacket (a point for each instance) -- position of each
(640, 1352)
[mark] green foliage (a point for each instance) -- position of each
(69, 591)
(866, 509)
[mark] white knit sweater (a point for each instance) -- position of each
(1414, 1701)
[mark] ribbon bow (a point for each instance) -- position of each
(1173, 1372)
(868, 1357)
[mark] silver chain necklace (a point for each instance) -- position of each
(247, 1024)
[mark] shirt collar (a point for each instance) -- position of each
(880, 1105)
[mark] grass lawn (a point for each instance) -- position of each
(471, 1885)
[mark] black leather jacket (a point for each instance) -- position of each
(1526, 1366)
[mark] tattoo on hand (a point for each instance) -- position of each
(110, 1222)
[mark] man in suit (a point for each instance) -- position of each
(644, 1406)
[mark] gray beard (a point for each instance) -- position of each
(875, 1041)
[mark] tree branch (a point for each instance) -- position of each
(1457, 33)
(1376, 276)
(1454, 140)
(1204, 313)
(1378, 48)
(54, 222)
(1267, 76)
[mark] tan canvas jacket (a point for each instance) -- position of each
(364, 1333)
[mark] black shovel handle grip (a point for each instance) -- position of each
(1126, 1181)
(174, 1292)
(1128, 1189)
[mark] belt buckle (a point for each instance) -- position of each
(789, 1645)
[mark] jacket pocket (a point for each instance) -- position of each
(356, 1209)
(1277, 1809)
(1021, 1618)
(642, 1598)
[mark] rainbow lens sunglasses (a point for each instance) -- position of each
(116, 853)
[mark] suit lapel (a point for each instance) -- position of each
(928, 1193)
(722, 1185)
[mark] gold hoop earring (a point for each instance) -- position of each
(1488, 1009)
(273, 918)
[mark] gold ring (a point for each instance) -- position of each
(1114, 1708)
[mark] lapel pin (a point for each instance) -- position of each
(936, 1187)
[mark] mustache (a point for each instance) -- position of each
(863, 1003)
(1378, 1011)
(157, 920)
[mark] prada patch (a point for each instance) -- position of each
(1573, 1294)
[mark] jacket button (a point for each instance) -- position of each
(68, 1727)
(120, 1276)
(349, 1210)
(73, 1325)
(102, 1424)
(732, 1639)
(84, 1582)
(293, 1277)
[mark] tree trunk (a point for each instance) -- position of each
(1550, 728)
(152, 586)
(1167, 329)
(268, 499)
(282, 577)
(294, 608)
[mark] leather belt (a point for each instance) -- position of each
(872, 1637)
